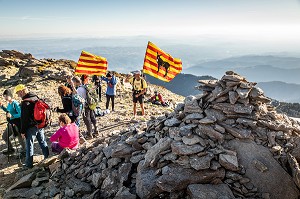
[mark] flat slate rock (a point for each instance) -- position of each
(209, 191)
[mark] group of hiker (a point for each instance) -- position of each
(21, 123)
(80, 96)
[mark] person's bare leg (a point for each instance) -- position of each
(134, 110)
(143, 109)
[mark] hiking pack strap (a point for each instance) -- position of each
(142, 83)
(14, 106)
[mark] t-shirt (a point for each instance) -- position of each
(139, 85)
(111, 85)
(67, 136)
(82, 92)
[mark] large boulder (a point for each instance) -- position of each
(264, 171)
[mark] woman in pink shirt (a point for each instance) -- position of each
(66, 137)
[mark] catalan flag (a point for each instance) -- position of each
(161, 65)
(89, 64)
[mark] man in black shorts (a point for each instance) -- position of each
(139, 86)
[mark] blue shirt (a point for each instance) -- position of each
(111, 85)
(13, 108)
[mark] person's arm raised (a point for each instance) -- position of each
(127, 78)
(74, 90)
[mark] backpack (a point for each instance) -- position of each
(92, 98)
(41, 112)
(142, 83)
(77, 104)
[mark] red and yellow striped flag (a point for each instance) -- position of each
(89, 64)
(161, 65)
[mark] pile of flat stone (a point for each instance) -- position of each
(227, 142)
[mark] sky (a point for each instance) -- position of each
(251, 19)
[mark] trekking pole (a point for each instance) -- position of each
(15, 128)
(7, 129)
(19, 154)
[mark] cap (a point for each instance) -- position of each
(137, 72)
(108, 75)
(19, 87)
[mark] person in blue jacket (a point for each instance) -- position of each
(111, 81)
(13, 114)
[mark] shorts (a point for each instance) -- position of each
(139, 99)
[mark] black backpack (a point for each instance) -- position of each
(142, 83)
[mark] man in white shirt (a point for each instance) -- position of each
(88, 114)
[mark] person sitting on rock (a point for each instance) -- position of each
(157, 99)
(66, 137)
(13, 114)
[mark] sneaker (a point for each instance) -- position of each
(8, 152)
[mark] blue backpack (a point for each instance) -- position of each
(77, 104)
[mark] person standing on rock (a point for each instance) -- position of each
(111, 81)
(29, 128)
(88, 114)
(13, 114)
(66, 137)
(97, 81)
(139, 87)
(66, 98)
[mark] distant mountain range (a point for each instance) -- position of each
(184, 84)
(281, 91)
(255, 68)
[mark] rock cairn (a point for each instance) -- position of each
(227, 142)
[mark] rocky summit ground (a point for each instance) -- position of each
(43, 78)
(227, 142)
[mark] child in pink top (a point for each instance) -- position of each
(67, 136)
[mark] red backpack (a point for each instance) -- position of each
(41, 113)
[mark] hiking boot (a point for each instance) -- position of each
(89, 137)
(24, 167)
(95, 134)
(22, 154)
(8, 152)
